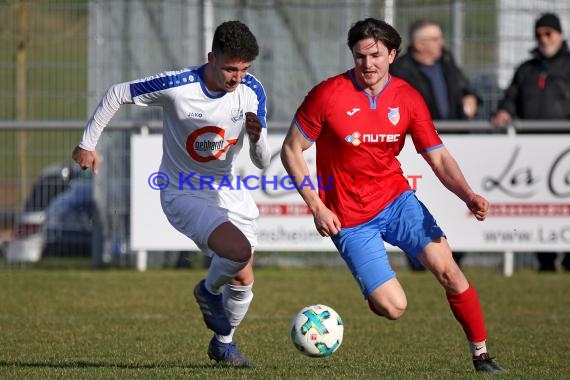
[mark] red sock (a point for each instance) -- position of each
(467, 310)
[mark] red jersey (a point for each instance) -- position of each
(358, 138)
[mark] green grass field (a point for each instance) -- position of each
(122, 324)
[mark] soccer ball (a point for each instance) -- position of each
(317, 331)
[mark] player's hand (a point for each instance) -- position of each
(479, 206)
(252, 127)
(86, 159)
(326, 221)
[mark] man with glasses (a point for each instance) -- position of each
(540, 89)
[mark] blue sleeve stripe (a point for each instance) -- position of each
(162, 83)
(301, 130)
(256, 86)
(431, 148)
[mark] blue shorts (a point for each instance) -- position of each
(405, 223)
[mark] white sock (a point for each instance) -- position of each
(221, 271)
(226, 338)
(237, 299)
(478, 348)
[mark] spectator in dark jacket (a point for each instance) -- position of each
(540, 89)
(431, 69)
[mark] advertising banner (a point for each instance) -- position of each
(526, 179)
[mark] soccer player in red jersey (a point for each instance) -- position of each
(359, 120)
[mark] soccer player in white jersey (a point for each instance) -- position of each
(208, 112)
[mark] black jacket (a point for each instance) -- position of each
(457, 84)
(540, 88)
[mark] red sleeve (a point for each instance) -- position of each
(311, 114)
(423, 132)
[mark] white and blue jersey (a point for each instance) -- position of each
(202, 133)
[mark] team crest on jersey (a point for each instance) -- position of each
(237, 114)
(394, 115)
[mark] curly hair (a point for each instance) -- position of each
(376, 29)
(234, 39)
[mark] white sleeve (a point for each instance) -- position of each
(259, 152)
(110, 103)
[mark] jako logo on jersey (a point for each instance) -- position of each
(394, 115)
(357, 138)
(353, 111)
(208, 143)
(195, 115)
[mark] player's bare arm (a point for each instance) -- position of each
(86, 159)
(326, 222)
(448, 172)
(258, 145)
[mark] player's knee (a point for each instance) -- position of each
(395, 311)
(241, 253)
(392, 311)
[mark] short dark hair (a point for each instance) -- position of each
(378, 30)
(234, 39)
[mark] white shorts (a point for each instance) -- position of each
(197, 214)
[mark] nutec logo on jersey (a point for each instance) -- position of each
(356, 138)
(208, 143)
(394, 115)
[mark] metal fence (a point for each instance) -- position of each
(59, 56)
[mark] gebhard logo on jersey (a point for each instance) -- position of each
(208, 143)
(394, 115)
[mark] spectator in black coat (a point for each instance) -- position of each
(540, 89)
(431, 69)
